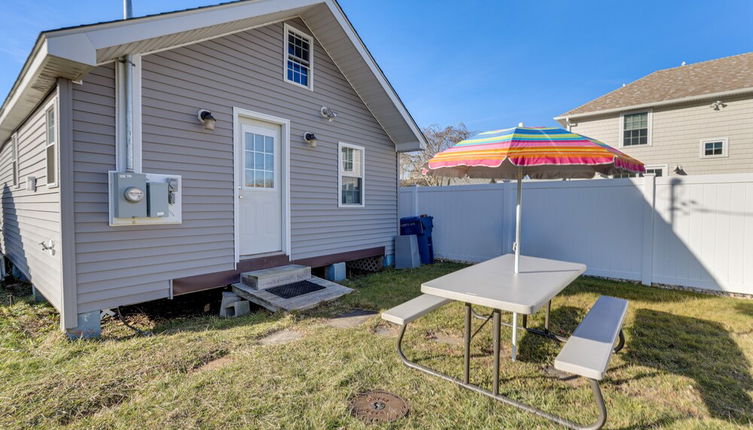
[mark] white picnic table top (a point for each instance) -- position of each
(494, 284)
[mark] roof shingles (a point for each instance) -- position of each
(708, 77)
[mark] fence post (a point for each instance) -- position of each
(649, 217)
(415, 200)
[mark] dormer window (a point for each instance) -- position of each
(299, 58)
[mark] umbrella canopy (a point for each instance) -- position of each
(536, 152)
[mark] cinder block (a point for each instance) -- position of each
(239, 308)
(88, 326)
(335, 272)
(228, 298)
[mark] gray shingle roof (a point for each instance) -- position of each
(708, 77)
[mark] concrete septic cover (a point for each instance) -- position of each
(378, 407)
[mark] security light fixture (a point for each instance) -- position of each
(206, 118)
(717, 105)
(328, 114)
(310, 138)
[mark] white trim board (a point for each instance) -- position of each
(285, 174)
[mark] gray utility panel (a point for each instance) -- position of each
(157, 199)
(129, 194)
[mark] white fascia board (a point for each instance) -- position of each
(409, 147)
(377, 72)
(680, 100)
(74, 47)
(124, 32)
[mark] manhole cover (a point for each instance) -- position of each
(295, 289)
(378, 407)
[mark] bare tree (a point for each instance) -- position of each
(437, 140)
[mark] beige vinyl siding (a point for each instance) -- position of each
(676, 133)
(120, 265)
(32, 217)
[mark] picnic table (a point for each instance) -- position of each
(495, 284)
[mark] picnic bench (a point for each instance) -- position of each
(586, 353)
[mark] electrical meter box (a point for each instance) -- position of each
(129, 195)
(157, 198)
(145, 199)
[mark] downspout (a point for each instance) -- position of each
(128, 72)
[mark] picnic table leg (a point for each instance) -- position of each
(495, 336)
(514, 334)
(467, 374)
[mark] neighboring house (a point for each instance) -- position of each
(692, 119)
(235, 188)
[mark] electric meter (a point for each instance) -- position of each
(134, 195)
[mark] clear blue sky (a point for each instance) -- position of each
(490, 64)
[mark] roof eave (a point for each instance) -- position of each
(562, 119)
(82, 48)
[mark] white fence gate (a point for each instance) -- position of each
(694, 231)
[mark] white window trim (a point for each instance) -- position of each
(725, 147)
(340, 146)
(289, 28)
(52, 106)
(649, 120)
(663, 167)
(15, 179)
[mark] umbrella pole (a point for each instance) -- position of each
(518, 205)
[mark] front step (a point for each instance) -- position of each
(274, 303)
(275, 276)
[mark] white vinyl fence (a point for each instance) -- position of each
(693, 231)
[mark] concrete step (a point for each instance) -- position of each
(275, 303)
(275, 276)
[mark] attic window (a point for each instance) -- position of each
(299, 58)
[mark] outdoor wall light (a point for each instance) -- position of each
(718, 105)
(206, 118)
(310, 138)
(328, 114)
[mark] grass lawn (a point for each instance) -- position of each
(686, 364)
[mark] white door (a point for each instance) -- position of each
(260, 191)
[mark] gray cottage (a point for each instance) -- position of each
(156, 156)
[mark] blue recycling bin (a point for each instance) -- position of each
(422, 227)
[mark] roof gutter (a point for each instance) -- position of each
(562, 119)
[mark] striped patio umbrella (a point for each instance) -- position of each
(536, 152)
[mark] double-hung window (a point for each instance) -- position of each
(714, 148)
(351, 175)
(636, 128)
(51, 147)
(299, 57)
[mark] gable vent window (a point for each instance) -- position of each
(636, 129)
(714, 148)
(299, 58)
